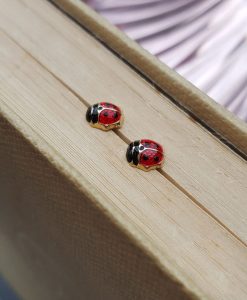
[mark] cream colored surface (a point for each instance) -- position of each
(182, 237)
(202, 106)
(50, 71)
(212, 175)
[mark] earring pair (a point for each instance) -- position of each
(144, 154)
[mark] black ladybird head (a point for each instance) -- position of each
(133, 152)
(89, 114)
(129, 153)
(92, 114)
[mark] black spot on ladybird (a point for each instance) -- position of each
(156, 158)
(106, 114)
(145, 157)
(116, 115)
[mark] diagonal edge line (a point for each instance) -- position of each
(155, 85)
(127, 141)
(186, 193)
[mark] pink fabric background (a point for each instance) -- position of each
(203, 40)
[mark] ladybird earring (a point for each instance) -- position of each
(145, 155)
(104, 116)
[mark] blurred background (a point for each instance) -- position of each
(203, 40)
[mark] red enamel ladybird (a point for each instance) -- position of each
(104, 116)
(145, 154)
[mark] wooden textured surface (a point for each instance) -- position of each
(189, 220)
(182, 91)
(55, 242)
(205, 168)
